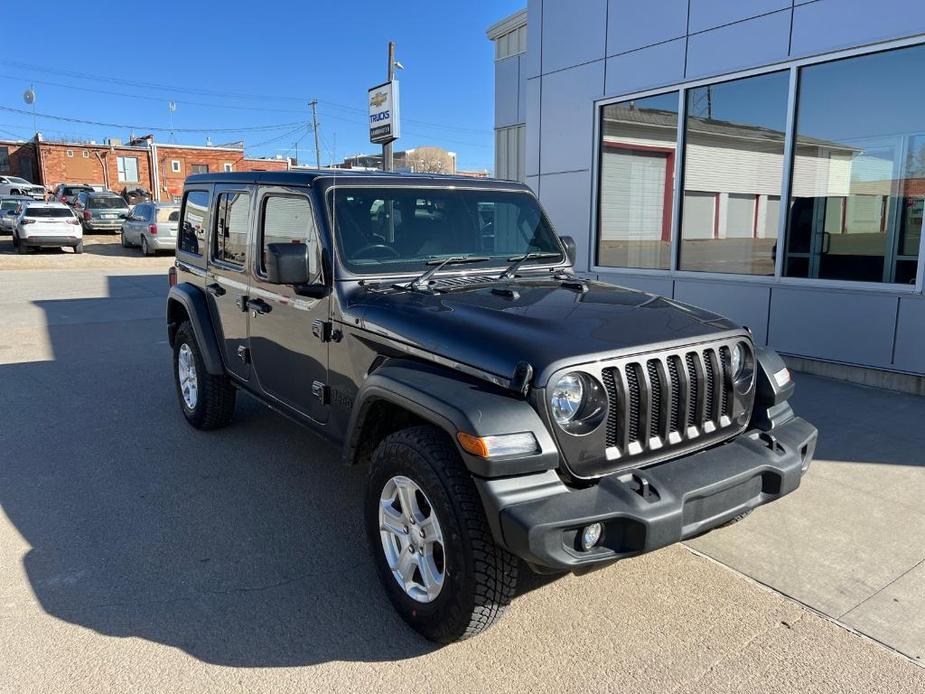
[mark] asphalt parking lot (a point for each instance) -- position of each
(141, 555)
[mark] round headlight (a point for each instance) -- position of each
(742, 365)
(738, 360)
(566, 398)
(578, 403)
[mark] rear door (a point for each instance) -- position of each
(287, 331)
(226, 277)
(134, 224)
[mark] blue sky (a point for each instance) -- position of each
(250, 65)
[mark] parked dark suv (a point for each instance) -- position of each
(510, 413)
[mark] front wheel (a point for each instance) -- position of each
(207, 400)
(433, 549)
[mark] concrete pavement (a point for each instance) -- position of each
(849, 544)
(138, 554)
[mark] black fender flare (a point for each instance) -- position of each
(454, 402)
(193, 301)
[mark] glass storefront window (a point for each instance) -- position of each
(733, 169)
(859, 169)
(638, 146)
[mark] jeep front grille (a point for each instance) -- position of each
(666, 400)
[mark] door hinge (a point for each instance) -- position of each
(322, 392)
(321, 329)
(244, 354)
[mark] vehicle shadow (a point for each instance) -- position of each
(241, 547)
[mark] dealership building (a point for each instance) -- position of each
(761, 158)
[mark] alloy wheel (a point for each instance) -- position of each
(186, 372)
(412, 539)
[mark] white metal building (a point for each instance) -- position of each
(664, 137)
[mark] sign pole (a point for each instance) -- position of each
(387, 147)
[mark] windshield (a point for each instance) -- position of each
(74, 190)
(9, 204)
(107, 203)
(397, 230)
(48, 212)
(17, 179)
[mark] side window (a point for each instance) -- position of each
(288, 219)
(195, 222)
(229, 243)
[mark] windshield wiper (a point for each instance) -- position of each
(521, 259)
(423, 281)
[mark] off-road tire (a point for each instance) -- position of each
(480, 577)
(216, 397)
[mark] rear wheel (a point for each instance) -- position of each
(145, 248)
(433, 549)
(207, 400)
(21, 247)
(79, 248)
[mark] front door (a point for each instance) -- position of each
(226, 277)
(288, 354)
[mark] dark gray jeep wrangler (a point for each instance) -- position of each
(510, 413)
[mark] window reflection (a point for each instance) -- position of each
(733, 169)
(859, 170)
(638, 144)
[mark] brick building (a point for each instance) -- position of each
(142, 163)
(176, 162)
(117, 166)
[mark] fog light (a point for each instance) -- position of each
(591, 535)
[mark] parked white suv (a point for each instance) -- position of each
(48, 224)
(14, 185)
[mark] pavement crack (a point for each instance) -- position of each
(688, 684)
(880, 590)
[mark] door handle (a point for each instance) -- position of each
(259, 305)
(215, 289)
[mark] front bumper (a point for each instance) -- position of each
(539, 519)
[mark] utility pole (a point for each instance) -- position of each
(387, 148)
(314, 103)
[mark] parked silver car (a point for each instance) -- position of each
(14, 185)
(46, 224)
(8, 207)
(153, 226)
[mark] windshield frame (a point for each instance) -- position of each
(495, 266)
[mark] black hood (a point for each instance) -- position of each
(544, 323)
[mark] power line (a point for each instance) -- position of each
(254, 128)
(209, 92)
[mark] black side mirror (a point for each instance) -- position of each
(287, 263)
(570, 249)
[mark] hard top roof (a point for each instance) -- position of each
(332, 176)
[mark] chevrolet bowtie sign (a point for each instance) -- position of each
(383, 113)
